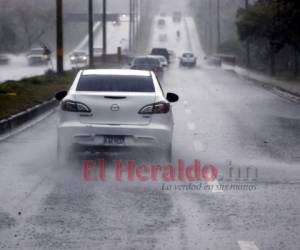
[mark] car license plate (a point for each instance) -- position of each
(114, 140)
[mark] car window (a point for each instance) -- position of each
(115, 83)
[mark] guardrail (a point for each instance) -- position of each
(15, 121)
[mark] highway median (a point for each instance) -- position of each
(26, 99)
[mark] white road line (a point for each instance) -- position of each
(198, 146)
(185, 103)
(215, 183)
(247, 245)
(191, 126)
(188, 111)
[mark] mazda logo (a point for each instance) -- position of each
(115, 107)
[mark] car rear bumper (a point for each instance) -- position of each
(78, 135)
(188, 63)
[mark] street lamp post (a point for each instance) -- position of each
(91, 34)
(247, 41)
(104, 30)
(218, 24)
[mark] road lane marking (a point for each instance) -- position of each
(247, 245)
(191, 126)
(214, 184)
(188, 111)
(27, 125)
(198, 146)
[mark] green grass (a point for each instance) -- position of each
(17, 96)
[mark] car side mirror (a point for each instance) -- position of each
(171, 97)
(61, 95)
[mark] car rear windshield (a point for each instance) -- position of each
(112, 83)
(146, 61)
(188, 55)
(159, 51)
(37, 51)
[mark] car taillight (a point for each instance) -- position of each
(155, 108)
(72, 106)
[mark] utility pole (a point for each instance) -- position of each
(59, 37)
(218, 25)
(210, 26)
(138, 16)
(130, 25)
(91, 34)
(134, 13)
(248, 42)
(104, 30)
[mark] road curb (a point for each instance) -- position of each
(265, 83)
(15, 121)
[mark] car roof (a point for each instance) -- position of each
(145, 57)
(117, 72)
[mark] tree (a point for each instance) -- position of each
(290, 14)
(34, 22)
(7, 29)
(263, 21)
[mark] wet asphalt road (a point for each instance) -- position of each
(220, 119)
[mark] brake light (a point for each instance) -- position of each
(155, 108)
(72, 106)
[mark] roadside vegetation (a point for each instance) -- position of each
(271, 27)
(17, 96)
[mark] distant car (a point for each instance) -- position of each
(163, 37)
(161, 22)
(4, 59)
(161, 52)
(115, 110)
(213, 60)
(116, 23)
(150, 63)
(98, 52)
(163, 60)
(177, 16)
(188, 59)
(38, 56)
(79, 58)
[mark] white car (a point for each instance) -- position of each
(115, 109)
(38, 56)
(188, 59)
(79, 58)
